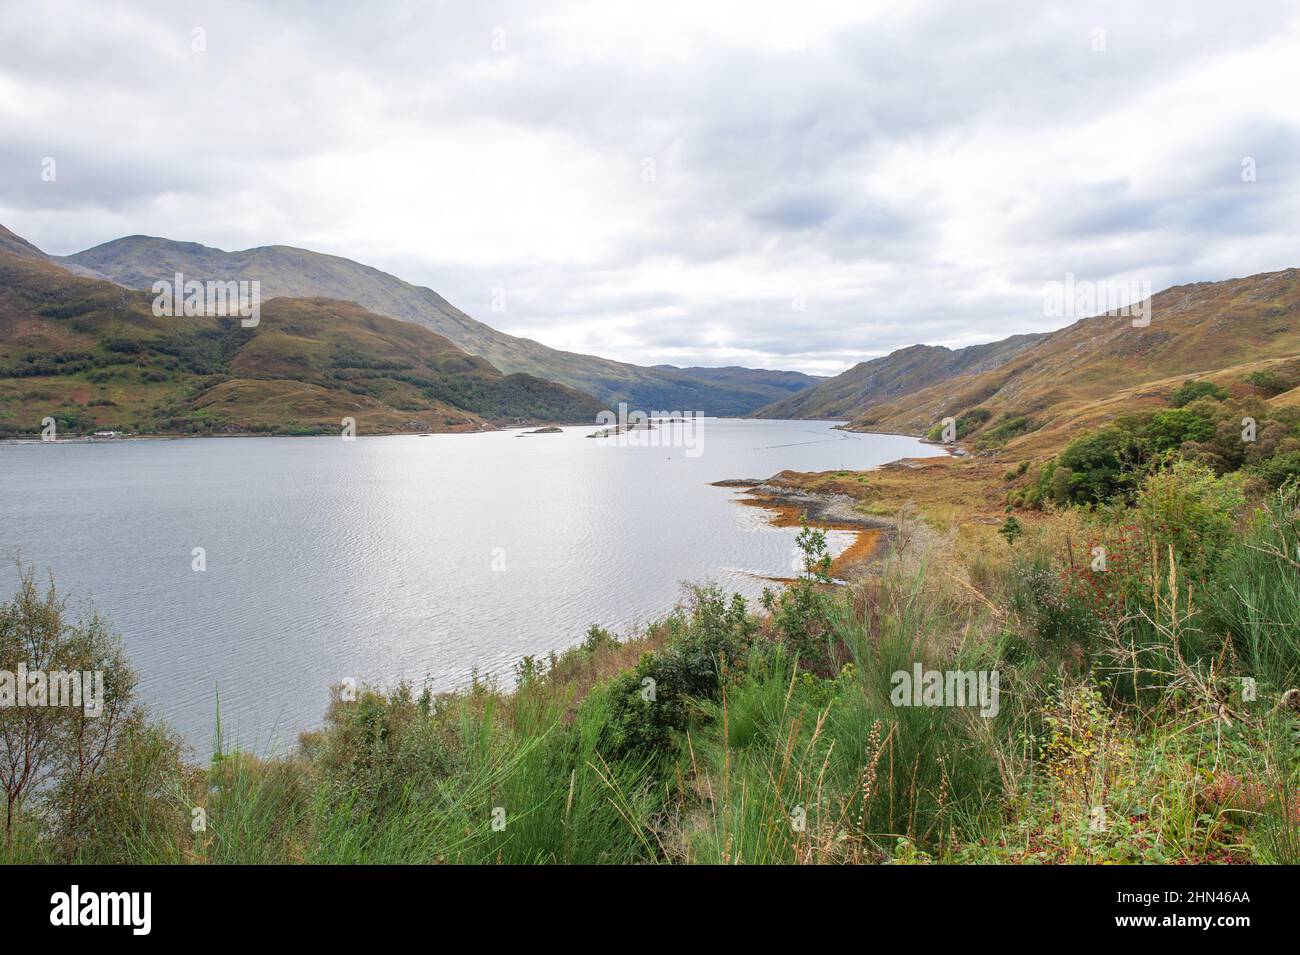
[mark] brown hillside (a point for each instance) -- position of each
(1100, 367)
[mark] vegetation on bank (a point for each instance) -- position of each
(91, 355)
(1247, 436)
(1079, 377)
(1147, 712)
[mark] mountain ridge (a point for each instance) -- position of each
(137, 261)
(892, 376)
(1091, 371)
(93, 355)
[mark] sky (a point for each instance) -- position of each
(780, 185)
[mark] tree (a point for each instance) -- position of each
(801, 612)
(46, 744)
(1191, 390)
(1168, 430)
(1101, 465)
(1265, 383)
(1011, 529)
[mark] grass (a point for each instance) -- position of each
(944, 491)
(1122, 732)
(1082, 375)
(1258, 601)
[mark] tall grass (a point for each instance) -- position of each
(797, 768)
(1279, 840)
(778, 739)
(1257, 600)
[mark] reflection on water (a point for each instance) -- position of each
(389, 558)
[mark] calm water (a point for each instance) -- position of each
(374, 559)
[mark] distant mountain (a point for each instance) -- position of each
(139, 261)
(1099, 368)
(92, 355)
(894, 376)
(752, 387)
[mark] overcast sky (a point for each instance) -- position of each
(794, 185)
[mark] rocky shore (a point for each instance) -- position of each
(789, 505)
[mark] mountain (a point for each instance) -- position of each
(1099, 368)
(752, 387)
(138, 261)
(893, 376)
(17, 245)
(92, 355)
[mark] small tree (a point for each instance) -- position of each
(1194, 511)
(1190, 390)
(802, 610)
(48, 748)
(1011, 529)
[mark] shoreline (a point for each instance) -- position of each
(787, 507)
(787, 504)
(90, 439)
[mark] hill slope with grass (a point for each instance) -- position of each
(1099, 368)
(139, 261)
(92, 355)
(894, 376)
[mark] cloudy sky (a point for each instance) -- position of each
(785, 185)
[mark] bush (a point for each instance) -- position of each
(1266, 383)
(58, 754)
(1011, 529)
(800, 611)
(1279, 469)
(1189, 508)
(964, 424)
(1098, 466)
(137, 811)
(648, 704)
(1010, 426)
(1167, 430)
(1191, 390)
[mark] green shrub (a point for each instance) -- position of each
(1191, 390)
(1011, 529)
(1167, 430)
(1279, 469)
(1097, 467)
(1191, 510)
(965, 423)
(56, 756)
(1267, 383)
(649, 704)
(1008, 427)
(800, 611)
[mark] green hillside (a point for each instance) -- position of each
(92, 355)
(139, 261)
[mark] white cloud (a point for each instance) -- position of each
(659, 183)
